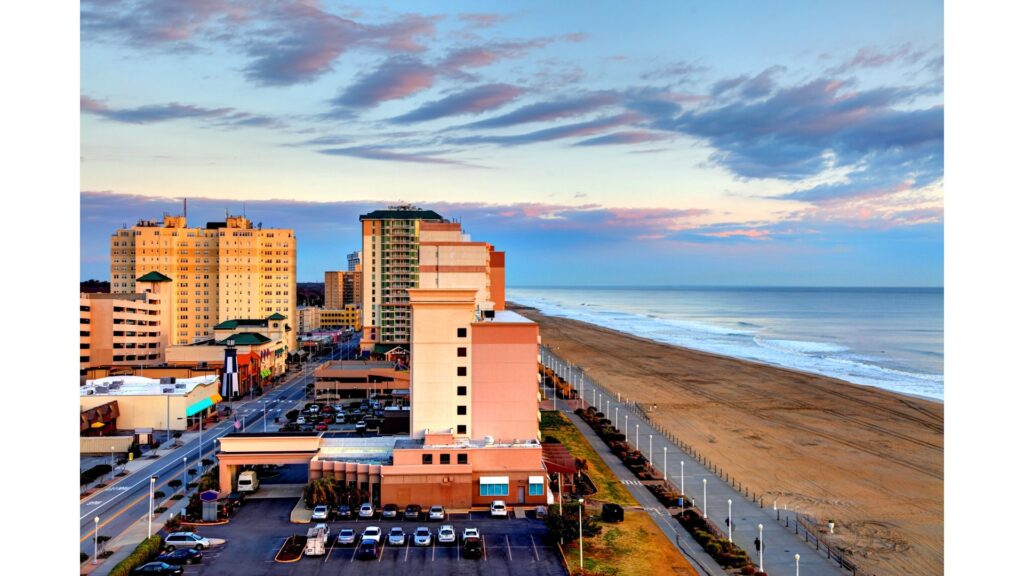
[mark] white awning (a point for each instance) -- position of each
(536, 479)
(494, 480)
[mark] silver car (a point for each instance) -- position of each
(396, 537)
(346, 537)
(436, 513)
(366, 510)
(422, 537)
(320, 512)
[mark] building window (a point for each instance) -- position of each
(489, 487)
(428, 458)
(446, 458)
(461, 352)
(461, 390)
(461, 429)
(461, 333)
(536, 489)
(461, 371)
(462, 458)
(460, 410)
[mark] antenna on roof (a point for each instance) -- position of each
(185, 208)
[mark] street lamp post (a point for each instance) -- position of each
(112, 463)
(625, 426)
(682, 475)
(650, 448)
(264, 415)
(637, 436)
(616, 417)
(184, 474)
(705, 498)
(664, 462)
(797, 557)
(152, 483)
(760, 549)
(96, 539)
(581, 533)
(729, 522)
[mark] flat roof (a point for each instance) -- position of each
(142, 386)
(506, 317)
(356, 365)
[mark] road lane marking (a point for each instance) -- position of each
(534, 544)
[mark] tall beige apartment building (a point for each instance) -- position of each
(406, 247)
(342, 288)
(228, 270)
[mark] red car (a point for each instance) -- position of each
(321, 427)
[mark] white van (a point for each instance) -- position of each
(248, 481)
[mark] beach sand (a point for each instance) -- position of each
(871, 460)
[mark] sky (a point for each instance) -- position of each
(676, 143)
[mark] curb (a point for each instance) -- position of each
(278, 555)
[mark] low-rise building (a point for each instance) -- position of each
(313, 319)
(161, 404)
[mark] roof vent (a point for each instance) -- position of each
(488, 440)
(168, 390)
(102, 389)
(180, 386)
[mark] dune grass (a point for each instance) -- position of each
(609, 489)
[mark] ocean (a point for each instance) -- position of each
(890, 338)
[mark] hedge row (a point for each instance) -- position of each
(144, 552)
(95, 472)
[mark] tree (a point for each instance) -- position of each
(565, 527)
(322, 491)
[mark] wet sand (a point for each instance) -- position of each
(871, 460)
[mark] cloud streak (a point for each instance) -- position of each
(155, 113)
(472, 101)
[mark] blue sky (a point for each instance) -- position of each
(673, 143)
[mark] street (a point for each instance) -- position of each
(122, 504)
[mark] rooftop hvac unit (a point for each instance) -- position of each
(102, 389)
(180, 386)
(167, 380)
(168, 390)
(116, 384)
(489, 314)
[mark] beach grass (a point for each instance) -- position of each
(633, 547)
(609, 489)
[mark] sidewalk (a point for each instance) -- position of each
(673, 530)
(126, 542)
(779, 543)
(133, 466)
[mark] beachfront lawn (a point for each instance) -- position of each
(609, 489)
(634, 546)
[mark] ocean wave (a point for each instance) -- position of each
(824, 358)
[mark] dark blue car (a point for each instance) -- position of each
(181, 556)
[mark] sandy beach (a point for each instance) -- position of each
(871, 460)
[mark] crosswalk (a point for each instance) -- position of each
(632, 482)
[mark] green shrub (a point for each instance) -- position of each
(714, 549)
(174, 483)
(82, 557)
(144, 552)
(94, 473)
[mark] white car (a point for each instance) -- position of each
(436, 513)
(446, 534)
(320, 512)
(300, 420)
(372, 533)
(366, 510)
(177, 540)
(470, 533)
(347, 537)
(498, 509)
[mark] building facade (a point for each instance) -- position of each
(228, 269)
(125, 329)
(150, 403)
(312, 318)
(342, 289)
(405, 247)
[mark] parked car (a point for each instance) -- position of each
(470, 533)
(366, 510)
(160, 568)
(389, 511)
(446, 534)
(368, 550)
(344, 512)
(472, 547)
(542, 512)
(360, 426)
(372, 533)
(177, 540)
(325, 528)
(181, 556)
(346, 537)
(396, 537)
(321, 427)
(498, 509)
(436, 513)
(422, 537)
(300, 420)
(412, 512)
(320, 512)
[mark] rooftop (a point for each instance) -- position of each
(244, 339)
(142, 386)
(153, 276)
(357, 365)
(402, 213)
(509, 317)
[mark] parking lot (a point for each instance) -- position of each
(256, 533)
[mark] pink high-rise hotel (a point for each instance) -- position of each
(474, 418)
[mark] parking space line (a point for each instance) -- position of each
(534, 544)
(354, 550)
(483, 540)
(433, 549)
(509, 546)
(406, 550)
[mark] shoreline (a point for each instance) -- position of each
(870, 458)
(511, 305)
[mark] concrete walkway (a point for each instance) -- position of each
(674, 531)
(779, 543)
